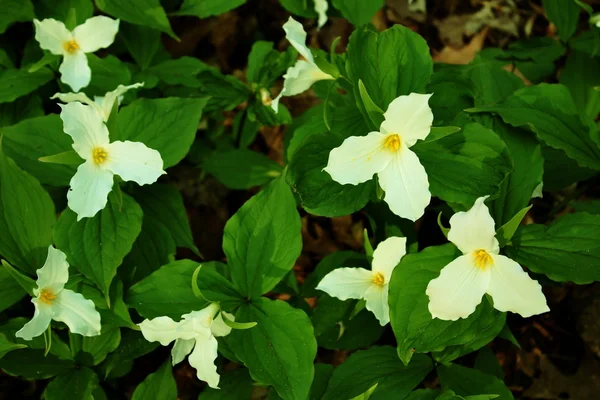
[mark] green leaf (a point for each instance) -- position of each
(358, 12)
(262, 240)
(15, 83)
(213, 282)
(107, 73)
(22, 281)
(237, 325)
(207, 8)
(26, 217)
(142, 43)
(467, 381)
(377, 366)
(96, 246)
(506, 231)
(234, 385)
(588, 206)
(32, 364)
(153, 15)
(10, 288)
(158, 385)
(413, 325)
(132, 346)
(563, 14)
(567, 250)
(323, 373)
(465, 165)
(373, 111)
(580, 75)
(534, 57)
(303, 8)
(168, 125)
(280, 350)
(180, 71)
(21, 109)
(69, 157)
(487, 362)
(265, 65)
(241, 168)
(60, 10)
(391, 63)
(7, 346)
(91, 351)
(75, 384)
(15, 11)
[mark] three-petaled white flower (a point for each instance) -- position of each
(94, 34)
(102, 104)
(372, 286)
(53, 302)
(462, 283)
(304, 73)
(93, 181)
(194, 334)
(387, 153)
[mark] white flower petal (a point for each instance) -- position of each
(134, 161)
(55, 272)
(298, 79)
(458, 290)
(513, 290)
(295, 34)
(39, 323)
(474, 229)
(406, 185)
(376, 298)
(203, 360)
(107, 102)
(77, 312)
(410, 117)
(72, 97)
(75, 71)
(89, 189)
(52, 35)
(96, 33)
(358, 159)
(347, 283)
(85, 127)
(321, 7)
(218, 327)
(387, 255)
(161, 329)
(181, 349)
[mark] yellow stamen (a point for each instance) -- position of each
(393, 142)
(265, 97)
(47, 296)
(378, 279)
(482, 259)
(99, 155)
(71, 46)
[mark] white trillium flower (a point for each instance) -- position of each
(93, 181)
(462, 283)
(102, 104)
(94, 34)
(194, 334)
(321, 7)
(372, 286)
(53, 302)
(304, 73)
(387, 153)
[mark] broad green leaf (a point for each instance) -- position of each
(533, 57)
(59, 348)
(233, 385)
(241, 168)
(423, 394)
(180, 71)
(588, 206)
(140, 12)
(92, 350)
(168, 125)
(280, 350)
(413, 325)
(588, 42)
(453, 91)
(132, 346)
(381, 366)
(26, 217)
(487, 362)
(23, 108)
(491, 83)
(61, 9)
(15, 11)
(323, 373)
(358, 12)
(564, 14)
(143, 43)
(265, 64)
(23, 281)
(207, 8)
(567, 250)
(561, 171)
(465, 165)
(214, 284)
(107, 73)
(303, 8)
(10, 288)
(506, 231)
(38, 137)
(15, 83)
(262, 240)
(117, 315)
(96, 246)
(158, 385)
(75, 384)
(6, 346)
(467, 381)
(32, 364)
(580, 75)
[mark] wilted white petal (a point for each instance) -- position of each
(55, 272)
(298, 79)
(410, 117)
(181, 349)
(358, 159)
(218, 327)
(85, 127)
(458, 290)
(75, 71)
(406, 185)
(387, 255)
(347, 283)
(321, 7)
(39, 323)
(203, 360)
(376, 299)
(51, 35)
(133, 161)
(161, 329)
(513, 290)
(89, 189)
(77, 312)
(96, 33)
(474, 229)
(295, 34)
(107, 102)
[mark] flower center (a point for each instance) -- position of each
(482, 258)
(47, 296)
(99, 155)
(378, 279)
(71, 46)
(393, 142)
